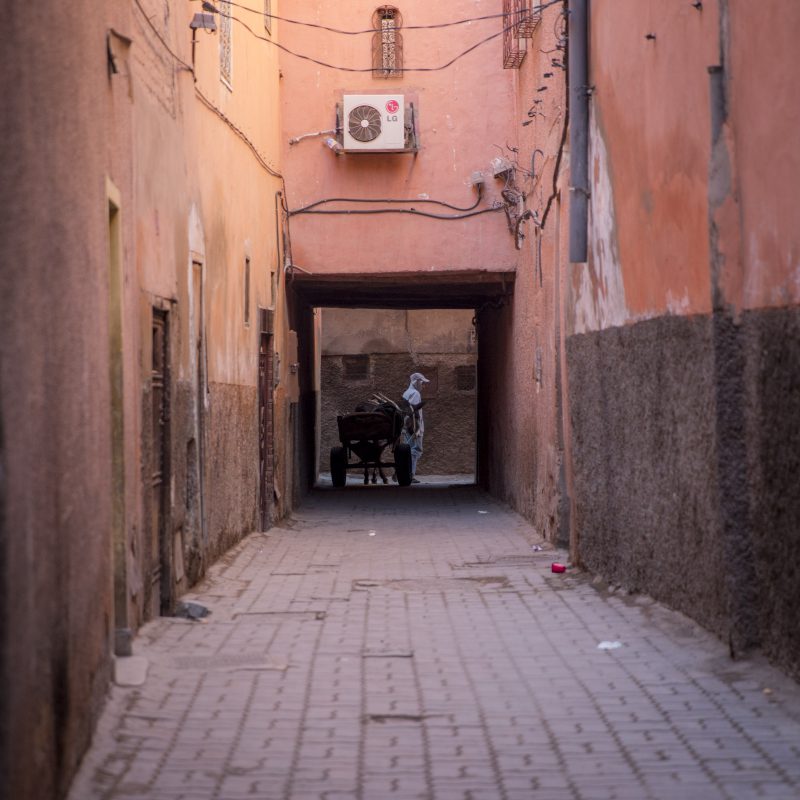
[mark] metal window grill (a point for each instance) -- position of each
(225, 44)
(387, 43)
(519, 23)
(465, 378)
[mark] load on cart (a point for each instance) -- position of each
(365, 434)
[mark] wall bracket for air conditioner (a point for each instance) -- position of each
(411, 144)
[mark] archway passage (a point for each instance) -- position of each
(408, 292)
(441, 289)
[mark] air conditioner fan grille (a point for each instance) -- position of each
(364, 123)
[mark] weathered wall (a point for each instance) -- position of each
(649, 165)
(186, 511)
(232, 497)
(205, 206)
(81, 561)
(646, 461)
(395, 344)
(756, 278)
(520, 424)
(763, 103)
(305, 434)
(682, 348)
(640, 368)
(772, 380)
(55, 449)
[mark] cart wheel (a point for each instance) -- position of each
(338, 466)
(402, 464)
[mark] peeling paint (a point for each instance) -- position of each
(763, 283)
(678, 305)
(600, 295)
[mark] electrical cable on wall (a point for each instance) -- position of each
(286, 50)
(412, 211)
(431, 26)
(340, 68)
(162, 39)
(240, 133)
(210, 105)
(442, 203)
(560, 34)
(563, 37)
(313, 208)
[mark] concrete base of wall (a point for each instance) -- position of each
(772, 386)
(187, 507)
(231, 489)
(642, 408)
(657, 419)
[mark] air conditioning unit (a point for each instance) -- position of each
(374, 123)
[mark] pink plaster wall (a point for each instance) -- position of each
(520, 343)
(56, 608)
(202, 195)
(187, 187)
(463, 112)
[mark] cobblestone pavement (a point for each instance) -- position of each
(410, 643)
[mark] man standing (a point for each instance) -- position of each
(413, 396)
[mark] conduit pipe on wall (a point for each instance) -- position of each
(578, 129)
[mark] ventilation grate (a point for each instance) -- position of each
(355, 368)
(465, 378)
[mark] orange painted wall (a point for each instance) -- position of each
(649, 156)
(463, 112)
(765, 116)
(651, 160)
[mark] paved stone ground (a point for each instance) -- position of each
(410, 643)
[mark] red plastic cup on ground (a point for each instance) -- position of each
(556, 567)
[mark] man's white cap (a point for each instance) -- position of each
(418, 376)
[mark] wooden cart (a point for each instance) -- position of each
(364, 435)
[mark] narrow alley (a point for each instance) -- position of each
(385, 643)
(344, 321)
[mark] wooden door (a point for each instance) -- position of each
(266, 451)
(160, 542)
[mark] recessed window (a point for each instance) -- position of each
(387, 43)
(225, 43)
(465, 378)
(355, 368)
(268, 15)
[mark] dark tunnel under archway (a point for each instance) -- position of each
(481, 292)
